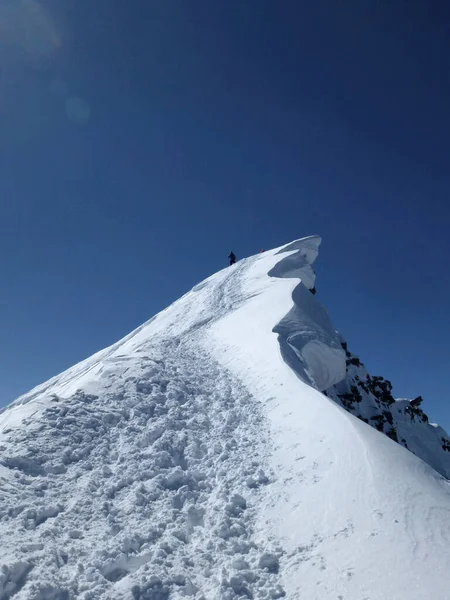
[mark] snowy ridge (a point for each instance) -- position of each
(197, 458)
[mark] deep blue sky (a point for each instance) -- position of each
(140, 141)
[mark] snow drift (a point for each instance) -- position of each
(220, 451)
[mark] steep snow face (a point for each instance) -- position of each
(307, 338)
(198, 458)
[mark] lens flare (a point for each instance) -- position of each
(26, 31)
(78, 110)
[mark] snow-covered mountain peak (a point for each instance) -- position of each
(198, 309)
(219, 452)
(302, 254)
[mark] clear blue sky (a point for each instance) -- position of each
(140, 141)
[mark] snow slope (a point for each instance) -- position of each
(197, 458)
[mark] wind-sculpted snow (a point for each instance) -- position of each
(308, 340)
(296, 260)
(197, 458)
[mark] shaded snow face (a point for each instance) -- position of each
(309, 343)
(308, 340)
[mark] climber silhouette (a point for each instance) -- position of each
(232, 258)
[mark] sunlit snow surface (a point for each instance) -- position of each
(198, 458)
